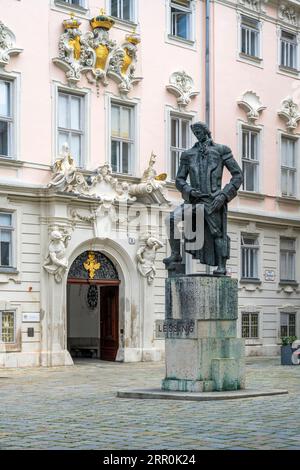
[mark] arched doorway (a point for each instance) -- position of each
(93, 307)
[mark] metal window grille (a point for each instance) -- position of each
(250, 325)
(250, 248)
(7, 327)
(287, 259)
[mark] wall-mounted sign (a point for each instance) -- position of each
(131, 240)
(31, 317)
(269, 275)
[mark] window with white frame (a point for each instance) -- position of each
(7, 327)
(80, 3)
(288, 167)
(122, 138)
(288, 50)
(181, 19)
(250, 325)
(6, 234)
(70, 125)
(6, 118)
(249, 256)
(250, 31)
(180, 140)
(250, 159)
(287, 259)
(123, 9)
(287, 324)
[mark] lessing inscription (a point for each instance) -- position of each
(175, 329)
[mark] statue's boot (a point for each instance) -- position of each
(221, 269)
(175, 257)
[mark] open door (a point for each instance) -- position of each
(109, 322)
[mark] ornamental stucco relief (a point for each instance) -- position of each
(288, 14)
(251, 104)
(96, 55)
(289, 112)
(7, 45)
(182, 86)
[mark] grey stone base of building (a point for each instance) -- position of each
(157, 394)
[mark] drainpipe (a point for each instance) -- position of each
(207, 73)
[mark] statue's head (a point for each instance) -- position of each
(201, 131)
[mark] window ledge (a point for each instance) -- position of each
(127, 24)
(289, 71)
(186, 42)
(251, 58)
(250, 194)
(288, 200)
(288, 283)
(5, 161)
(252, 342)
(69, 7)
(246, 280)
(8, 270)
(10, 347)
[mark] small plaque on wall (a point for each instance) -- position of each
(31, 317)
(269, 275)
(159, 329)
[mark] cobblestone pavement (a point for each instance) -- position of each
(76, 408)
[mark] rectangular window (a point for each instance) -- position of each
(288, 167)
(122, 138)
(6, 231)
(250, 37)
(250, 325)
(6, 118)
(75, 2)
(287, 259)
(180, 141)
(7, 327)
(250, 159)
(70, 125)
(181, 19)
(287, 324)
(249, 255)
(123, 9)
(288, 50)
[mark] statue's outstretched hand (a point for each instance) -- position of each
(218, 202)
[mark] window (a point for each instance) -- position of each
(70, 125)
(288, 167)
(250, 248)
(181, 23)
(250, 161)
(287, 259)
(6, 118)
(250, 325)
(75, 2)
(7, 327)
(287, 324)
(288, 50)
(6, 230)
(180, 141)
(122, 141)
(123, 9)
(250, 37)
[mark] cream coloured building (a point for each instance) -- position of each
(81, 226)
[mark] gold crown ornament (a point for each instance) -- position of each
(102, 21)
(72, 22)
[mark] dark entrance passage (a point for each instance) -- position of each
(93, 307)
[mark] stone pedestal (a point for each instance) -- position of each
(203, 353)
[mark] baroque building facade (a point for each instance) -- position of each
(96, 102)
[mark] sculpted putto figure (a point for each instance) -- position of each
(146, 256)
(56, 261)
(64, 169)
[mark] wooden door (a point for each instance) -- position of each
(109, 322)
